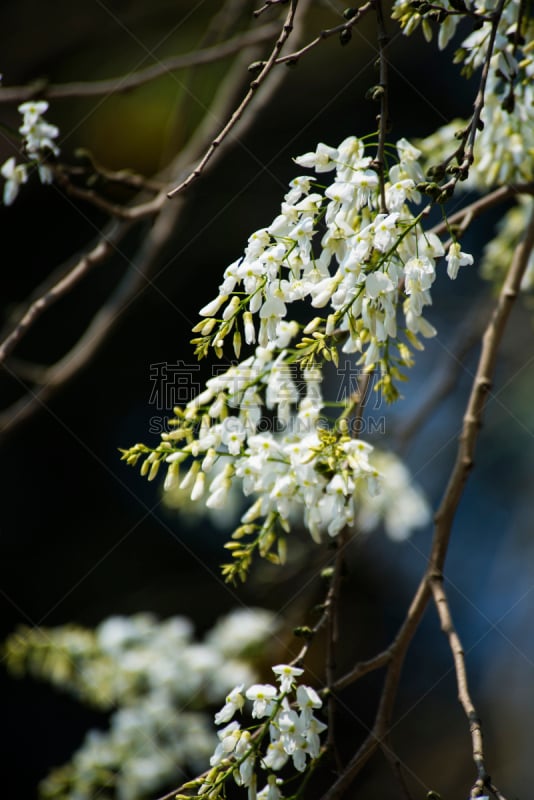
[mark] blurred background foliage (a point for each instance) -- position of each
(83, 537)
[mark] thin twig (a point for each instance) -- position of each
(396, 767)
(292, 58)
(464, 153)
(462, 219)
(361, 669)
(332, 627)
(268, 4)
(135, 212)
(447, 626)
(234, 119)
(109, 86)
(104, 247)
(383, 117)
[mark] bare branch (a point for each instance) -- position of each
(332, 622)
(254, 86)
(125, 83)
(134, 212)
(361, 669)
(463, 218)
(100, 251)
(292, 58)
(444, 380)
(382, 89)
(447, 626)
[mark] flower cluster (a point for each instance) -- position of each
(313, 475)
(400, 506)
(355, 248)
(373, 257)
(38, 144)
(290, 726)
(159, 684)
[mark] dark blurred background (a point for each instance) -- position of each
(83, 536)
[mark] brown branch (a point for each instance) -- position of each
(447, 626)
(464, 153)
(396, 767)
(383, 117)
(446, 512)
(141, 210)
(465, 216)
(292, 58)
(361, 669)
(237, 114)
(266, 5)
(332, 627)
(107, 245)
(125, 83)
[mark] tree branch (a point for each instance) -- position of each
(292, 58)
(125, 83)
(447, 626)
(104, 247)
(234, 119)
(383, 117)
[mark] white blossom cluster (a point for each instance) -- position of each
(504, 149)
(293, 734)
(38, 143)
(158, 682)
(369, 262)
(261, 425)
(399, 506)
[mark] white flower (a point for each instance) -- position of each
(276, 756)
(15, 175)
(456, 259)
(271, 790)
(307, 699)
(228, 740)
(286, 676)
(323, 160)
(262, 696)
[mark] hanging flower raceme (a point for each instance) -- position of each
(261, 425)
(38, 144)
(286, 730)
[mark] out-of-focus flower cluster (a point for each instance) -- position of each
(38, 144)
(290, 732)
(157, 682)
(499, 251)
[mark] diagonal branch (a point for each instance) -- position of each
(287, 28)
(125, 83)
(447, 626)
